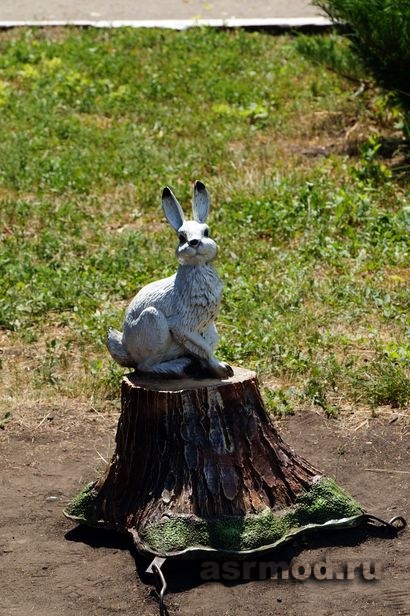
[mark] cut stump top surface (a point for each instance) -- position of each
(156, 384)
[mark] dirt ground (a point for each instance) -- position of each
(50, 568)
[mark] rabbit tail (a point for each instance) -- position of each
(117, 350)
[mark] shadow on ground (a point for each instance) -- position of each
(183, 575)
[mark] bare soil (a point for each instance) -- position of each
(50, 568)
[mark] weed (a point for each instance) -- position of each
(278, 402)
(5, 419)
(385, 382)
(45, 373)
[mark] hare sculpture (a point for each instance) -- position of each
(169, 327)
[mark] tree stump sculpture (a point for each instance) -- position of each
(198, 466)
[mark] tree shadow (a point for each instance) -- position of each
(182, 575)
(99, 538)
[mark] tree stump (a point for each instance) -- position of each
(198, 466)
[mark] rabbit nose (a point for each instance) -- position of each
(193, 243)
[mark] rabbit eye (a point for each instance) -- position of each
(182, 238)
(206, 233)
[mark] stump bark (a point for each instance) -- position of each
(199, 465)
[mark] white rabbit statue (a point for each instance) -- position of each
(169, 328)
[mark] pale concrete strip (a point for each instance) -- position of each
(178, 24)
(114, 10)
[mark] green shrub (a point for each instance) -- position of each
(379, 35)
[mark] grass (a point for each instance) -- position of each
(313, 249)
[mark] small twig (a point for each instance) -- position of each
(386, 470)
(94, 410)
(43, 420)
(100, 456)
(360, 426)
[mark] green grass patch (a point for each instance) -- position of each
(313, 250)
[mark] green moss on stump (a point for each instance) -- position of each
(81, 507)
(324, 501)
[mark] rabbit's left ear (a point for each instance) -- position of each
(172, 209)
(201, 202)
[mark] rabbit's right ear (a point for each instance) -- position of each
(200, 202)
(172, 209)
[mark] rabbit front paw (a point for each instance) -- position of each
(221, 369)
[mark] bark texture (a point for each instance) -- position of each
(200, 448)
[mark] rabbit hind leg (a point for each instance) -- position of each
(147, 338)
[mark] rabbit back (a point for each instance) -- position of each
(159, 294)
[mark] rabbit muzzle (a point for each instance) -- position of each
(197, 251)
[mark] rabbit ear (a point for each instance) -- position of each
(200, 202)
(172, 209)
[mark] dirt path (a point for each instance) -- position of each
(50, 569)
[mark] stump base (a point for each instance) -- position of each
(199, 468)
